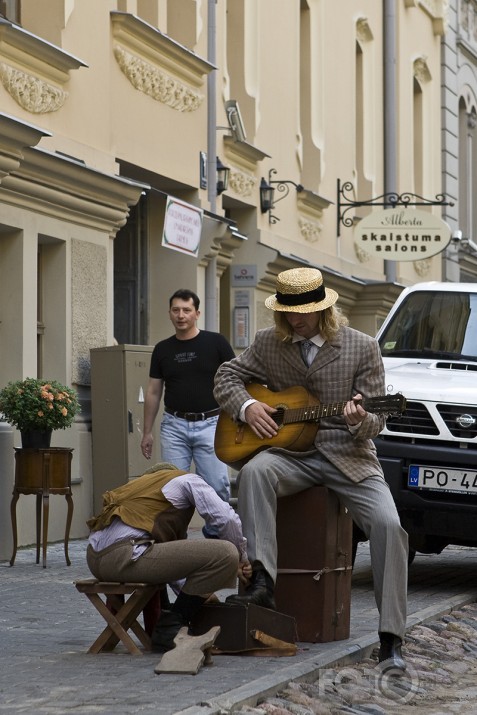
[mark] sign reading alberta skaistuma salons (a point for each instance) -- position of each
(402, 234)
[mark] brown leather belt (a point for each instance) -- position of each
(193, 416)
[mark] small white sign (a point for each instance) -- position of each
(242, 298)
(402, 234)
(243, 275)
(182, 227)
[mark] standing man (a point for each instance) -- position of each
(312, 346)
(184, 366)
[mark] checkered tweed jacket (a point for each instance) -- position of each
(345, 366)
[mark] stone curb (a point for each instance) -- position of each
(308, 670)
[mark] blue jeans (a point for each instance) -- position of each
(184, 442)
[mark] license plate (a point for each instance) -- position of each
(442, 480)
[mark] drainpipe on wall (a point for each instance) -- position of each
(390, 111)
(211, 269)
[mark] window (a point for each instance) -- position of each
(10, 9)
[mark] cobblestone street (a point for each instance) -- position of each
(441, 678)
(46, 627)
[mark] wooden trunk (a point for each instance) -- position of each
(314, 534)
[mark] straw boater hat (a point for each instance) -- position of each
(301, 290)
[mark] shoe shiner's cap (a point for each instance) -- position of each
(301, 290)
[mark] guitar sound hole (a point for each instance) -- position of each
(278, 417)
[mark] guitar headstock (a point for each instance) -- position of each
(386, 404)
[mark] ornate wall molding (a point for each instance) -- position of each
(363, 30)
(157, 65)
(422, 267)
(468, 23)
(241, 182)
(421, 70)
(32, 70)
(361, 255)
(310, 230)
(31, 93)
(156, 83)
(310, 208)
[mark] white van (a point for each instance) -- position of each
(429, 454)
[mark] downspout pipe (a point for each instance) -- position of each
(211, 269)
(390, 111)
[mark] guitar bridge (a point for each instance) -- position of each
(239, 434)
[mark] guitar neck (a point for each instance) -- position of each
(311, 413)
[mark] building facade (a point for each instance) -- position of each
(111, 111)
(459, 101)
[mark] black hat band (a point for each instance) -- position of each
(311, 296)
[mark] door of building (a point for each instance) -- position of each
(130, 278)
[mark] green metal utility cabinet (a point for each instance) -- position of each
(119, 378)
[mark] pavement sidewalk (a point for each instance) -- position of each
(46, 627)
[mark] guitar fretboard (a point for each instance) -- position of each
(312, 412)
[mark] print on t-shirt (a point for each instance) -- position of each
(185, 357)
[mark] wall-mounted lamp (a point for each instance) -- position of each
(267, 193)
(222, 173)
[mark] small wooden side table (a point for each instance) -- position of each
(42, 472)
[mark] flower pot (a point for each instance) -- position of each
(36, 439)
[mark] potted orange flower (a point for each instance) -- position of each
(35, 405)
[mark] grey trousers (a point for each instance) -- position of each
(208, 565)
(271, 474)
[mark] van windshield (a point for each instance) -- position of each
(433, 325)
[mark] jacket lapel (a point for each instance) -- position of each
(328, 352)
(292, 354)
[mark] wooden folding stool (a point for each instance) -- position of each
(125, 616)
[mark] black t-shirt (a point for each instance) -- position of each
(188, 369)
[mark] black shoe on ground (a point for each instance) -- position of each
(165, 630)
(259, 593)
(390, 652)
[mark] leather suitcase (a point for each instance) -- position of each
(314, 535)
(238, 623)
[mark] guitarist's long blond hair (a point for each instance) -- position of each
(331, 320)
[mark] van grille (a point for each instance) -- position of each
(418, 421)
(450, 413)
(415, 420)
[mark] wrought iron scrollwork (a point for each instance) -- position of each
(391, 199)
(283, 187)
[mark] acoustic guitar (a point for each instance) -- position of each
(297, 419)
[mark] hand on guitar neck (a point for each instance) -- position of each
(259, 417)
(354, 413)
